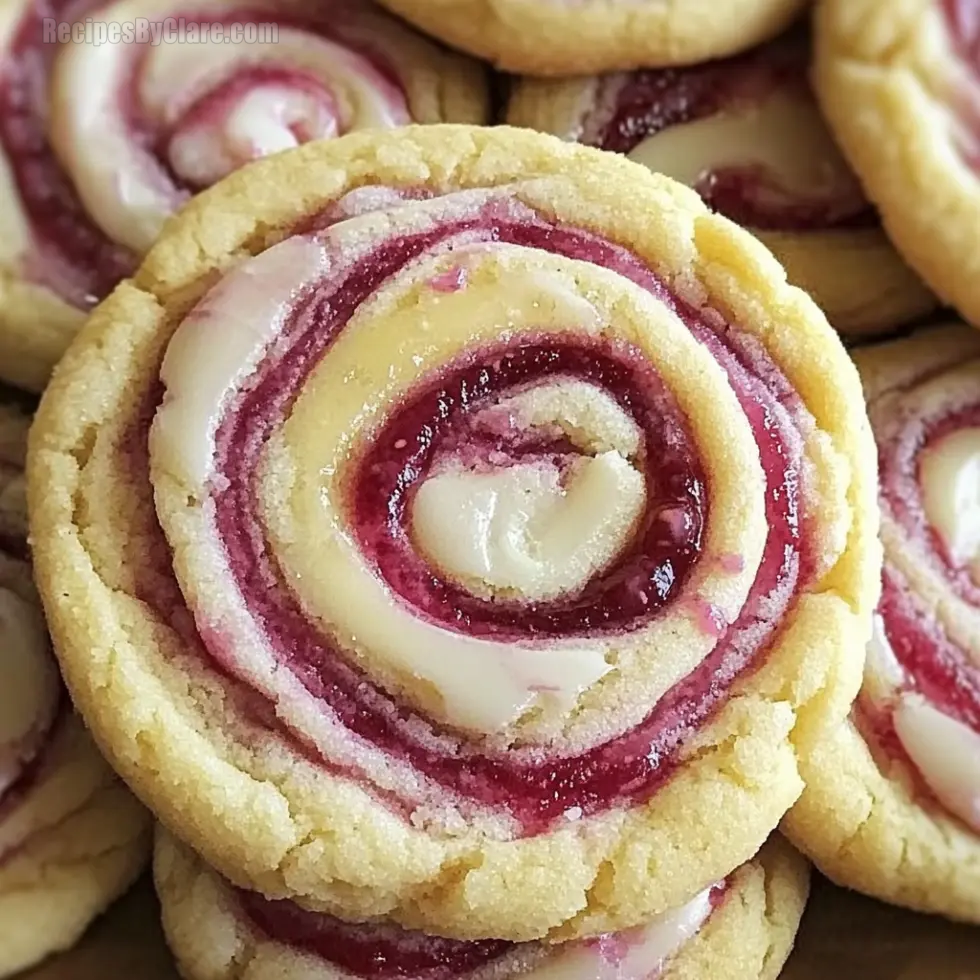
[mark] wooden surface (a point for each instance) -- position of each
(844, 937)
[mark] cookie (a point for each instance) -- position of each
(107, 128)
(564, 40)
(747, 135)
(898, 84)
(891, 801)
(71, 837)
(741, 928)
(522, 527)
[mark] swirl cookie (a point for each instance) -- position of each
(891, 805)
(746, 134)
(558, 38)
(517, 535)
(105, 134)
(71, 837)
(899, 85)
(741, 928)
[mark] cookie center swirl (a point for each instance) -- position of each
(542, 525)
(442, 488)
(196, 112)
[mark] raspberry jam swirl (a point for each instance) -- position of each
(440, 495)
(744, 132)
(920, 705)
(387, 952)
(104, 137)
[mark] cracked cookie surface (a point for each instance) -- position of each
(741, 929)
(546, 600)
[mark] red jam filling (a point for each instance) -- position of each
(963, 23)
(434, 422)
(386, 951)
(71, 255)
(382, 952)
(35, 766)
(653, 100)
(940, 670)
(534, 790)
(936, 666)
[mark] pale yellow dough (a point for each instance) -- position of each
(898, 97)
(268, 818)
(573, 37)
(749, 937)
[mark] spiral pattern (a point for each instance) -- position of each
(107, 133)
(747, 135)
(921, 700)
(451, 498)
(552, 470)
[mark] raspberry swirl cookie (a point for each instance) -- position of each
(741, 928)
(520, 539)
(104, 135)
(71, 837)
(900, 86)
(892, 805)
(558, 38)
(746, 134)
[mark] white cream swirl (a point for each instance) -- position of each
(139, 125)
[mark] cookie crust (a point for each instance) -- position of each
(555, 39)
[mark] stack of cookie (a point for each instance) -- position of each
(72, 838)
(467, 541)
